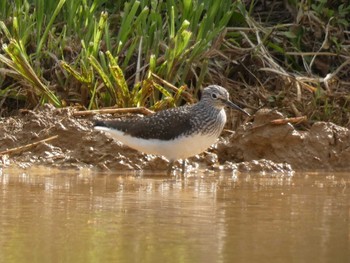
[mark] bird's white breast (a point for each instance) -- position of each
(179, 148)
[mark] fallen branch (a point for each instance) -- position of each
(141, 110)
(27, 146)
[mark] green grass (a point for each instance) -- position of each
(113, 51)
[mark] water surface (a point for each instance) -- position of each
(81, 216)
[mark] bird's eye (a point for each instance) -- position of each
(214, 96)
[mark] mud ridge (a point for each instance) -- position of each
(257, 146)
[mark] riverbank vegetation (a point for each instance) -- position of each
(290, 55)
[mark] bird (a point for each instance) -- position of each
(175, 133)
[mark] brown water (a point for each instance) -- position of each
(72, 216)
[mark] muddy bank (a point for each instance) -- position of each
(324, 146)
(256, 146)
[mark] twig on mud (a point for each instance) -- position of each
(141, 110)
(294, 120)
(27, 146)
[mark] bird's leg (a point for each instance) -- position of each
(183, 167)
(170, 167)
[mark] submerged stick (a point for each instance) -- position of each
(27, 146)
(141, 110)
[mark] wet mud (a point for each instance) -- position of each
(325, 146)
(259, 145)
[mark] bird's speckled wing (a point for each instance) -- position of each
(163, 125)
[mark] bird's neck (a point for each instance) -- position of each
(208, 106)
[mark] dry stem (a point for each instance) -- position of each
(27, 146)
(141, 110)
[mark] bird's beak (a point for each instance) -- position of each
(234, 106)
